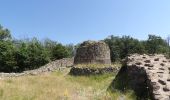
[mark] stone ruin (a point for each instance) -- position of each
(148, 73)
(50, 67)
(93, 52)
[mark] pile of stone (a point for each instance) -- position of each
(50, 67)
(152, 71)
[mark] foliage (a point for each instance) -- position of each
(31, 55)
(155, 44)
(28, 54)
(4, 34)
(7, 58)
(121, 47)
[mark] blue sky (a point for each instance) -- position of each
(73, 21)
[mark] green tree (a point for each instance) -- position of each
(31, 55)
(155, 44)
(4, 34)
(59, 52)
(121, 47)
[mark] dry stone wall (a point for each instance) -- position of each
(152, 71)
(93, 52)
(93, 71)
(52, 66)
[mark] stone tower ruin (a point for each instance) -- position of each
(92, 52)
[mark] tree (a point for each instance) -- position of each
(31, 55)
(59, 52)
(71, 50)
(155, 44)
(122, 47)
(4, 34)
(7, 57)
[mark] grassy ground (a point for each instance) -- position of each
(60, 86)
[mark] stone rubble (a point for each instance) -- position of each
(157, 69)
(50, 67)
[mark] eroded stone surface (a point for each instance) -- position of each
(157, 70)
(92, 52)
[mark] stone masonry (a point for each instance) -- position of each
(52, 66)
(152, 70)
(93, 52)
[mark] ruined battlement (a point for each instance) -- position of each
(152, 71)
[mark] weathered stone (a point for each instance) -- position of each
(156, 87)
(150, 68)
(92, 52)
(155, 71)
(92, 71)
(160, 75)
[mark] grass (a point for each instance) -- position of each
(60, 86)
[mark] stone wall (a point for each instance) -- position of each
(149, 72)
(52, 66)
(93, 52)
(78, 71)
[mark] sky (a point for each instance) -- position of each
(74, 21)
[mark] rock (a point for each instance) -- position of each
(161, 76)
(156, 87)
